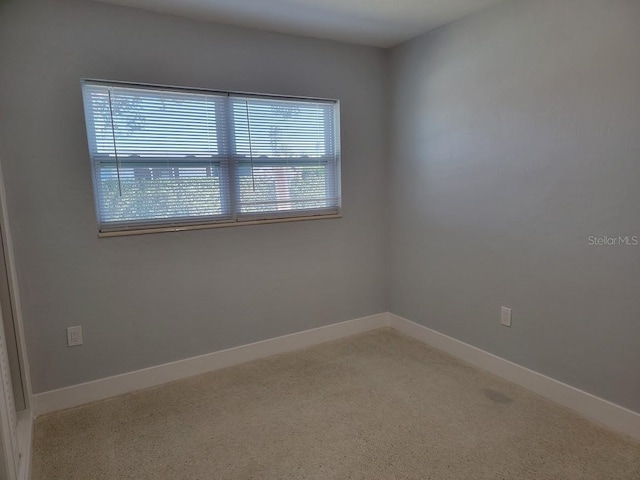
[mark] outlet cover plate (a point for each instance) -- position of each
(74, 336)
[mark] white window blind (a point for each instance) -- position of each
(165, 156)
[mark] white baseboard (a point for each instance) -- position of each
(103, 388)
(594, 408)
(601, 411)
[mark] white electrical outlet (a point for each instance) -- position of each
(505, 317)
(74, 336)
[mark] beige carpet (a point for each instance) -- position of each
(373, 406)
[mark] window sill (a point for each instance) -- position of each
(204, 226)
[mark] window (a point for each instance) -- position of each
(167, 157)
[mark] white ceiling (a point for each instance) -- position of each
(380, 23)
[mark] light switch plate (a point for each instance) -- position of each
(505, 317)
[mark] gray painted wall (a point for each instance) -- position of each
(516, 137)
(151, 299)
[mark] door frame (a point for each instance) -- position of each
(14, 292)
(25, 417)
(10, 454)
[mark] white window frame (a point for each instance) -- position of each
(230, 161)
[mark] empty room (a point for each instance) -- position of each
(319, 239)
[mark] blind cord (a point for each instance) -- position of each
(253, 180)
(115, 146)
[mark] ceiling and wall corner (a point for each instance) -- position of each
(378, 23)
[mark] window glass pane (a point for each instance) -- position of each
(155, 123)
(282, 187)
(158, 192)
(281, 128)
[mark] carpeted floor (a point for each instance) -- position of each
(373, 406)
